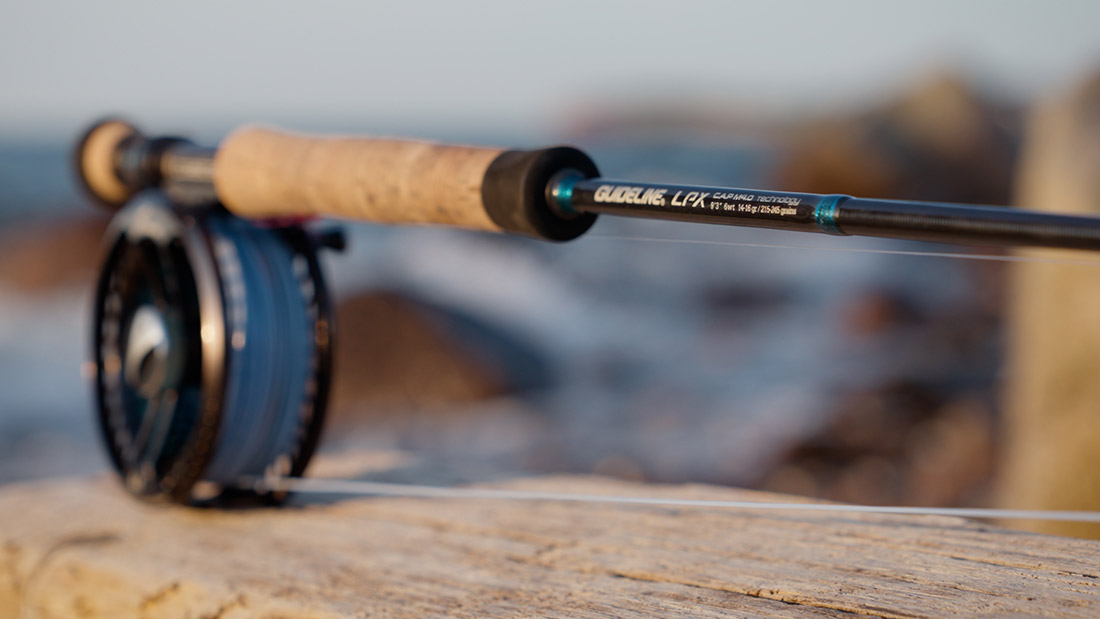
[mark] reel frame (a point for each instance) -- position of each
(179, 240)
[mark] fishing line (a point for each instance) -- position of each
(271, 337)
(313, 485)
(859, 250)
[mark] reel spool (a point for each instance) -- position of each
(212, 350)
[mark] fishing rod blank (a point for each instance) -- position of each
(829, 214)
(212, 333)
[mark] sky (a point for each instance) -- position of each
(504, 64)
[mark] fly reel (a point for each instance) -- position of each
(212, 350)
(211, 345)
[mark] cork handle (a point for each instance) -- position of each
(264, 173)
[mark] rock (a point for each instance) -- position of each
(898, 446)
(876, 312)
(395, 353)
(944, 140)
(52, 252)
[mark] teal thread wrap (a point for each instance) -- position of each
(825, 214)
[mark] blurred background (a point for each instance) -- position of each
(645, 350)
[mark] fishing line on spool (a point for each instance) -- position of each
(271, 348)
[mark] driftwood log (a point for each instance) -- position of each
(83, 548)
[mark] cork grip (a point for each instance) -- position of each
(260, 172)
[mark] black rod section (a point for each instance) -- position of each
(830, 214)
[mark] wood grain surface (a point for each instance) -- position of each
(85, 548)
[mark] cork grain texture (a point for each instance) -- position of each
(265, 173)
(84, 548)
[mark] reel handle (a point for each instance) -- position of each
(265, 173)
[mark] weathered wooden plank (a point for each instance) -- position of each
(84, 548)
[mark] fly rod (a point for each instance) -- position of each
(552, 193)
(212, 326)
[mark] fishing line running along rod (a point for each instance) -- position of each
(212, 329)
